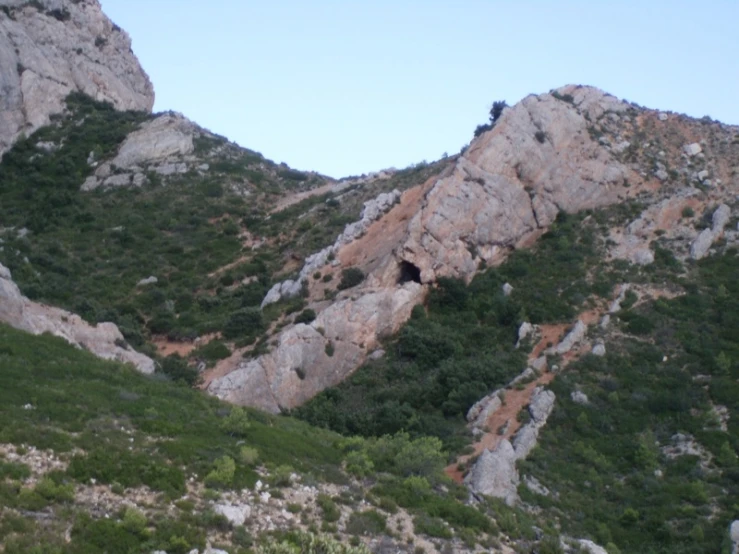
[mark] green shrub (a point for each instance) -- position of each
(248, 455)
(213, 351)
(246, 322)
(369, 522)
(329, 509)
(431, 526)
(306, 316)
(222, 474)
(236, 423)
(350, 277)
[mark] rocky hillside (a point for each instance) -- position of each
(50, 48)
(478, 348)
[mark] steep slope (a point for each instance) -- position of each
(50, 48)
(541, 158)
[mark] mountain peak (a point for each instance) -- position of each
(50, 48)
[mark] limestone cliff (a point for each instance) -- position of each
(502, 193)
(50, 48)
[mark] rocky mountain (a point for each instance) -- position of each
(50, 48)
(530, 346)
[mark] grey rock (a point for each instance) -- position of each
(605, 321)
(541, 405)
(524, 331)
(663, 116)
(642, 256)
(701, 245)
(662, 174)
(734, 536)
(720, 218)
(148, 281)
(86, 53)
(507, 289)
(535, 486)
(540, 363)
(103, 340)
(481, 411)
(236, 514)
(494, 474)
(702, 175)
(377, 354)
(579, 397)
(271, 382)
(589, 547)
(573, 337)
(692, 149)
(621, 146)
(599, 350)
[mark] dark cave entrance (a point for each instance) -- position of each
(409, 272)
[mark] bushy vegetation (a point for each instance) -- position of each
(462, 346)
(606, 461)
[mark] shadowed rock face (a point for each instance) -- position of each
(67, 46)
(504, 191)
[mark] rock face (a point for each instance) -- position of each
(310, 358)
(501, 194)
(372, 211)
(509, 185)
(103, 340)
(494, 474)
(700, 247)
(50, 48)
(162, 146)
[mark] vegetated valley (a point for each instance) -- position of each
(531, 346)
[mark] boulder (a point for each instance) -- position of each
(720, 218)
(573, 337)
(541, 405)
(148, 281)
(579, 397)
(599, 350)
(507, 289)
(692, 149)
(700, 247)
(734, 536)
(494, 474)
(589, 547)
(235, 514)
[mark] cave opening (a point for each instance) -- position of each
(409, 272)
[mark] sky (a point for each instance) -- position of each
(346, 87)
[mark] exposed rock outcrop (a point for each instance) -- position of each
(501, 194)
(50, 48)
(372, 211)
(310, 358)
(104, 340)
(160, 146)
(494, 473)
(700, 247)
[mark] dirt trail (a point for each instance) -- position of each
(300, 196)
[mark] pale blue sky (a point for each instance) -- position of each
(346, 87)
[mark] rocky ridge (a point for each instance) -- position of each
(50, 48)
(104, 340)
(501, 194)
